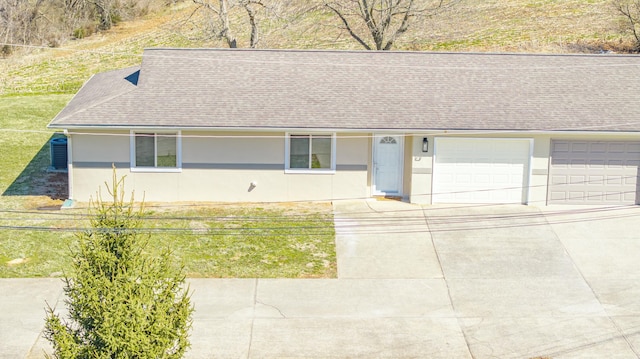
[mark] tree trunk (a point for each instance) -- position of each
(253, 41)
(226, 29)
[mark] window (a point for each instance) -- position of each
(314, 153)
(159, 151)
(388, 140)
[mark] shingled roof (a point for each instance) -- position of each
(353, 90)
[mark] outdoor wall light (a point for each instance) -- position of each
(425, 144)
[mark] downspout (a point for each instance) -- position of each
(69, 164)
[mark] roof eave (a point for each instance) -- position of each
(416, 131)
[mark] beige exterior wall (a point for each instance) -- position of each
(406, 176)
(220, 167)
(421, 168)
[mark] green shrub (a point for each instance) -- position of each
(79, 33)
(122, 302)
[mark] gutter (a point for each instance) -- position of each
(404, 131)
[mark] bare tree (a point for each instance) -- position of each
(220, 25)
(19, 22)
(50, 22)
(105, 13)
(377, 24)
(630, 9)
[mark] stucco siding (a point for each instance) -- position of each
(421, 170)
(221, 166)
(232, 148)
(539, 171)
(100, 148)
(352, 149)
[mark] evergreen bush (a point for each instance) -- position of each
(122, 301)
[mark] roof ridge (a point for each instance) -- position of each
(392, 52)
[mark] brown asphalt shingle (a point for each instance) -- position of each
(288, 89)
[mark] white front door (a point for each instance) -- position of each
(387, 165)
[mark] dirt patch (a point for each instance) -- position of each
(285, 207)
(17, 261)
(54, 185)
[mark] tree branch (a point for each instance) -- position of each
(348, 27)
(632, 16)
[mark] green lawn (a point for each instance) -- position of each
(24, 144)
(217, 240)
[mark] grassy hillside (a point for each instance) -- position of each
(472, 25)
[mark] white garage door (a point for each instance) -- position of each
(481, 170)
(590, 172)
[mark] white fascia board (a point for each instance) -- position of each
(518, 132)
(230, 129)
(408, 131)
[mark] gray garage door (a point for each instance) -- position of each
(590, 172)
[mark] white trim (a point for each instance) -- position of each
(155, 169)
(376, 137)
(406, 132)
(287, 153)
(69, 165)
(527, 193)
(310, 171)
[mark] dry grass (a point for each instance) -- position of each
(523, 26)
(556, 26)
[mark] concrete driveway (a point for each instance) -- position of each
(521, 281)
(417, 282)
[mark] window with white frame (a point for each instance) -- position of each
(155, 150)
(311, 152)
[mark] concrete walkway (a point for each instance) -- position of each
(416, 282)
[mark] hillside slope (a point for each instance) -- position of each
(557, 26)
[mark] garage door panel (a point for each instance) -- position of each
(631, 181)
(598, 148)
(463, 179)
(578, 147)
(480, 170)
(615, 163)
(630, 196)
(599, 172)
(558, 179)
(615, 196)
(579, 163)
(614, 180)
(597, 163)
(560, 147)
(596, 197)
(617, 148)
(576, 196)
(577, 179)
(596, 180)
